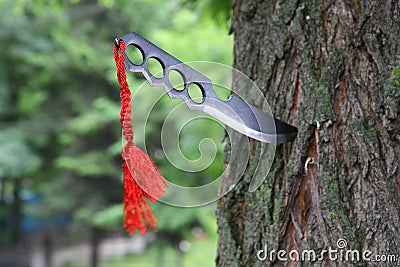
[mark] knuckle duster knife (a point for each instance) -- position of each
(141, 177)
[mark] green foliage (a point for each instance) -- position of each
(16, 157)
(108, 218)
(188, 40)
(220, 10)
(96, 163)
(102, 112)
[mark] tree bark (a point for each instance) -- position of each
(330, 68)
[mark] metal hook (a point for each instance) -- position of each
(116, 42)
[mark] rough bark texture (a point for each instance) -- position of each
(332, 69)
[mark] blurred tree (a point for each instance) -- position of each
(16, 162)
(329, 68)
(59, 96)
(219, 11)
(46, 72)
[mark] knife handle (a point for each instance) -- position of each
(168, 63)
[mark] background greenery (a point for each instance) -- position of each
(60, 138)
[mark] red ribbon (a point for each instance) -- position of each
(141, 178)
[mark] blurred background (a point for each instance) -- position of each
(61, 185)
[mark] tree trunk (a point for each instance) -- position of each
(2, 190)
(16, 234)
(94, 246)
(160, 258)
(48, 247)
(331, 68)
(179, 258)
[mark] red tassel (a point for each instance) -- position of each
(141, 177)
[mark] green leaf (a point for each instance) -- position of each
(94, 163)
(109, 217)
(16, 158)
(102, 112)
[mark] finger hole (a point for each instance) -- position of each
(135, 55)
(155, 67)
(176, 80)
(196, 93)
